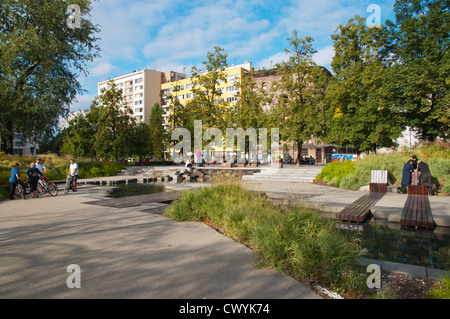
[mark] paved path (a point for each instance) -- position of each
(124, 253)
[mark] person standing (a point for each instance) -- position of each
(425, 175)
(40, 166)
(73, 171)
(406, 176)
(33, 177)
(14, 180)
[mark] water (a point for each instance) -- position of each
(133, 189)
(426, 248)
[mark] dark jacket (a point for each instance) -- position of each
(33, 173)
(407, 173)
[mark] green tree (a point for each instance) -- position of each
(157, 132)
(142, 145)
(40, 60)
(250, 112)
(300, 112)
(212, 108)
(114, 124)
(360, 94)
(78, 139)
(420, 48)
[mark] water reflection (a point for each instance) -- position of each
(388, 242)
(133, 189)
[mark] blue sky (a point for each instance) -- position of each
(175, 35)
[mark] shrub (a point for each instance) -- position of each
(295, 240)
(441, 290)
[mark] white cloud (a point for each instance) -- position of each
(101, 70)
(270, 62)
(324, 56)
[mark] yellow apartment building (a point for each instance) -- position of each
(182, 90)
(141, 90)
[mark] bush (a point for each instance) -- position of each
(295, 240)
(353, 175)
(442, 289)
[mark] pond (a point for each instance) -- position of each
(133, 189)
(419, 247)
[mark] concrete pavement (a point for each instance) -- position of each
(124, 253)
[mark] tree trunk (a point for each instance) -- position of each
(299, 152)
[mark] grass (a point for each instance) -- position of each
(353, 175)
(294, 240)
(442, 289)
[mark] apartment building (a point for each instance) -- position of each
(141, 90)
(182, 89)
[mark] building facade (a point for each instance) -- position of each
(181, 90)
(141, 90)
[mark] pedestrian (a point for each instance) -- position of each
(425, 175)
(14, 180)
(33, 178)
(73, 171)
(414, 164)
(406, 176)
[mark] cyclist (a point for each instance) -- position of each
(33, 177)
(40, 166)
(73, 171)
(14, 180)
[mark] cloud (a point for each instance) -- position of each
(324, 57)
(101, 70)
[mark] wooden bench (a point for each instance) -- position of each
(417, 209)
(359, 210)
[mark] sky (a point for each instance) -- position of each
(175, 35)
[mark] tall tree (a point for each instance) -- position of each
(157, 132)
(360, 92)
(79, 139)
(114, 123)
(300, 111)
(420, 48)
(207, 99)
(41, 56)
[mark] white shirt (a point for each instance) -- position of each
(74, 169)
(40, 167)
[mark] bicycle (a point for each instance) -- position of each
(68, 184)
(47, 187)
(20, 190)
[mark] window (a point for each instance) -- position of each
(189, 86)
(140, 80)
(138, 110)
(190, 95)
(138, 102)
(139, 95)
(232, 88)
(139, 88)
(128, 83)
(232, 99)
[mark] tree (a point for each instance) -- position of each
(40, 60)
(249, 107)
(420, 49)
(360, 93)
(300, 111)
(114, 124)
(212, 108)
(78, 139)
(157, 132)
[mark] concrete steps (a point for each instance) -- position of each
(304, 174)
